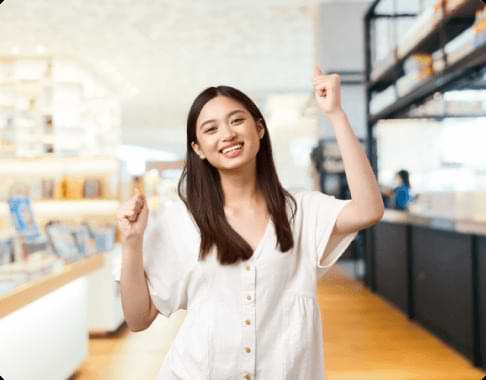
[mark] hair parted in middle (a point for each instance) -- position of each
(200, 188)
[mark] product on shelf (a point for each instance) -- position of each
(480, 27)
(6, 251)
(63, 242)
(105, 237)
(438, 61)
(383, 99)
(419, 63)
(426, 22)
(460, 46)
(36, 265)
(23, 218)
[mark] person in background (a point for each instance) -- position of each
(399, 196)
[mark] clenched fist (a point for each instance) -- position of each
(327, 89)
(132, 217)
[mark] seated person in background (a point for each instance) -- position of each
(399, 197)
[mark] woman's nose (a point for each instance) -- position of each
(228, 133)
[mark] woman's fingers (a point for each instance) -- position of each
(321, 88)
(131, 209)
(129, 212)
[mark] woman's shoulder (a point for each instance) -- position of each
(306, 196)
(309, 202)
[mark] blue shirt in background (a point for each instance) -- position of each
(402, 197)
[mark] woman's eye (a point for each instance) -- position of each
(211, 129)
(237, 120)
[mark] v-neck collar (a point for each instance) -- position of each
(259, 247)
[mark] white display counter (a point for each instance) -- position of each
(105, 312)
(44, 324)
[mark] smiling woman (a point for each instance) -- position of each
(226, 133)
(239, 252)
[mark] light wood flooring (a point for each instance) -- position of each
(365, 339)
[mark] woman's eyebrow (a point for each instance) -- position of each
(229, 115)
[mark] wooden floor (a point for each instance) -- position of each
(365, 339)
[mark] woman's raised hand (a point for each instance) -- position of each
(132, 216)
(327, 90)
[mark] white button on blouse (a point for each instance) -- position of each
(258, 319)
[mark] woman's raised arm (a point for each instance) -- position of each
(366, 207)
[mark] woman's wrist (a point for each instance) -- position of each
(133, 243)
(336, 116)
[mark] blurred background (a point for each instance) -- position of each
(93, 104)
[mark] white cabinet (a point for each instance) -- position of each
(105, 312)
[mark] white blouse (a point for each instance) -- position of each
(257, 319)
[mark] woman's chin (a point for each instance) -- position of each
(232, 164)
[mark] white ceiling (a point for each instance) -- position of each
(159, 54)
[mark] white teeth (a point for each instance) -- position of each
(232, 148)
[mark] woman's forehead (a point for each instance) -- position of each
(219, 107)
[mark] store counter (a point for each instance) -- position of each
(434, 270)
(475, 227)
(45, 323)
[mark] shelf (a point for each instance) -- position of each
(475, 60)
(430, 42)
(27, 293)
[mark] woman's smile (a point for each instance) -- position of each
(232, 151)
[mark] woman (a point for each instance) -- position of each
(238, 252)
(399, 196)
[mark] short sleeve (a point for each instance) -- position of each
(165, 271)
(323, 211)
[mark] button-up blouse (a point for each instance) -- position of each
(258, 319)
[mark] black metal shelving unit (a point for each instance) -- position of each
(468, 72)
(462, 73)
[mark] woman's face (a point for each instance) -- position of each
(397, 181)
(227, 134)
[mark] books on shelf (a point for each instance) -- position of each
(23, 218)
(37, 265)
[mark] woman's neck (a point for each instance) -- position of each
(240, 189)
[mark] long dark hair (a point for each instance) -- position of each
(200, 188)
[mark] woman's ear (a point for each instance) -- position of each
(197, 150)
(260, 128)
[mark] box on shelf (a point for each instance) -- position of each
(419, 63)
